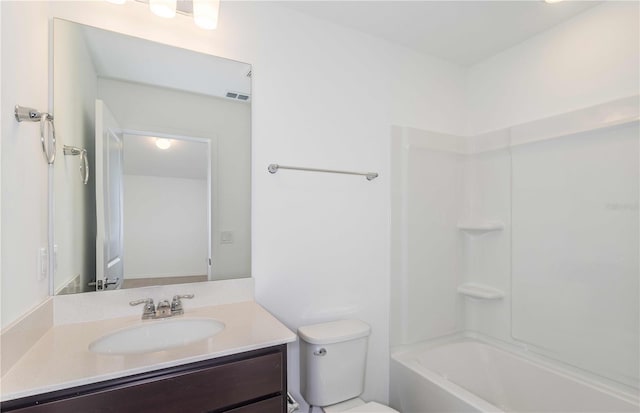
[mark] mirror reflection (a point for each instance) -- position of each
(154, 184)
(154, 167)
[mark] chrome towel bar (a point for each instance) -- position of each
(273, 168)
(84, 167)
(23, 114)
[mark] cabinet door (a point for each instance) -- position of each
(203, 389)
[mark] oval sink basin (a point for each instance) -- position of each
(156, 335)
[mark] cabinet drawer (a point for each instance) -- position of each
(272, 405)
(202, 389)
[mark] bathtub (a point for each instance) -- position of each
(473, 376)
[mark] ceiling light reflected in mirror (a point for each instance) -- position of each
(163, 143)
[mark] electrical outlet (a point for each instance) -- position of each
(43, 263)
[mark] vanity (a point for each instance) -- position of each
(252, 382)
(242, 368)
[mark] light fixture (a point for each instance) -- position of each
(205, 13)
(552, 1)
(163, 143)
(163, 8)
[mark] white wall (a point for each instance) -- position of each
(228, 125)
(589, 59)
(74, 225)
(323, 96)
(24, 169)
(164, 236)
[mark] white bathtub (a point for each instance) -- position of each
(471, 376)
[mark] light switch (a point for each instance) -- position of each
(226, 237)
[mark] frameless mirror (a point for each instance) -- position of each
(152, 178)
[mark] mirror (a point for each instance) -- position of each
(152, 181)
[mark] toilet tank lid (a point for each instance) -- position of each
(334, 331)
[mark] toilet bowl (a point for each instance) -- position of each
(333, 358)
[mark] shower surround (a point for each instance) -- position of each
(526, 238)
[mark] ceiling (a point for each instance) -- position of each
(462, 32)
(184, 159)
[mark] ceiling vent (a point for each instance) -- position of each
(238, 96)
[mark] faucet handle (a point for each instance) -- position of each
(177, 297)
(176, 304)
(141, 301)
(149, 310)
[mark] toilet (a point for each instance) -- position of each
(333, 358)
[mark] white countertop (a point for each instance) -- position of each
(61, 359)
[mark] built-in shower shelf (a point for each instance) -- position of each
(481, 291)
(478, 228)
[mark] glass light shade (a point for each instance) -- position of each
(162, 143)
(163, 8)
(205, 13)
(552, 1)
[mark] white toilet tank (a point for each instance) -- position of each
(333, 358)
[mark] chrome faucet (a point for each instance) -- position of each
(176, 304)
(164, 309)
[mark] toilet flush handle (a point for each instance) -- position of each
(320, 352)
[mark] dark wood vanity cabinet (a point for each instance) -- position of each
(252, 382)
